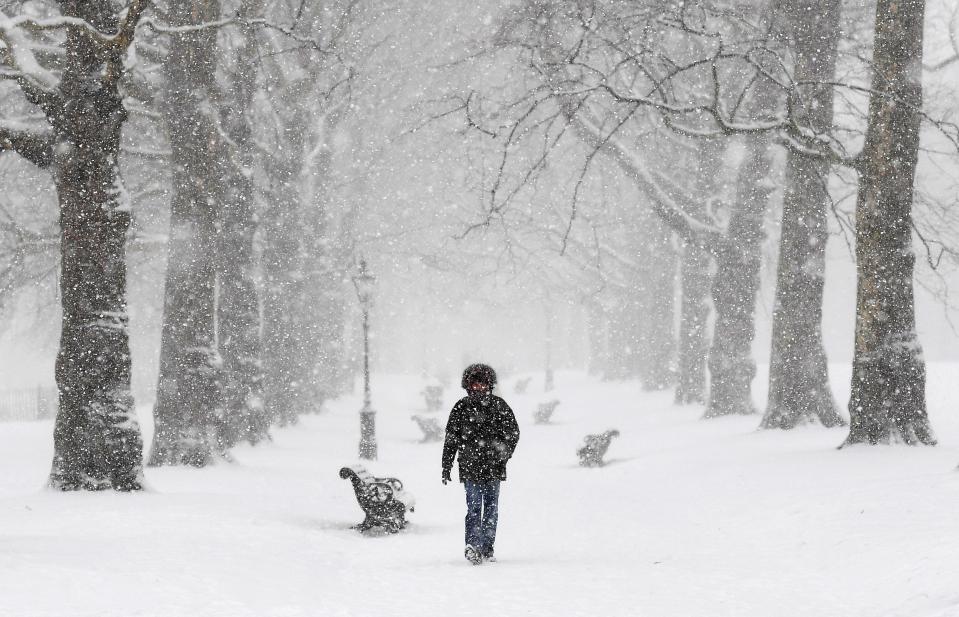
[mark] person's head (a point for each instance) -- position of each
(479, 379)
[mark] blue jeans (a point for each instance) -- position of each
(482, 512)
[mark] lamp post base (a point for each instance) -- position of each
(368, 435)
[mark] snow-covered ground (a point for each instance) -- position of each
(691, 518)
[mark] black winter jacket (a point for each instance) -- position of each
(483, 430)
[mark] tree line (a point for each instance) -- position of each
(709, 113)
(246, 99)
(645, 143)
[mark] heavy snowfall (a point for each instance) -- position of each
(684, 269)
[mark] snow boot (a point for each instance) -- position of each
(473, 555)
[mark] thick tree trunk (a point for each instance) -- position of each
(238, 302)
(188, 411)
(888, 399)
(738, 259)
(694, 284)
(799, 390)
(97, 442)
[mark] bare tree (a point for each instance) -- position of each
(604, 74)
(238, 301)
(311, 71)
(887, 400)
(97, 443)
(189, 408)
(798, 374)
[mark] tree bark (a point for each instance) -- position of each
(799, 391)
(188, 412)
(238, 302)
(888, 401)
(97, 442)
(731, 365)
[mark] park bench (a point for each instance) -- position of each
(545, 411)
(594, 448)
(433, 395)
(432, 429)
(521, 384)
(383, 500)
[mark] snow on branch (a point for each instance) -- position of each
(237, 21)
(35, 145)
(16, 26)
(662, 201)
(18, 55)
(128, 24)
(19, 52)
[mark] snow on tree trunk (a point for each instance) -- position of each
(238, 302)
(97, 442)
(888, 399)
(694, 286)
(799, 390)
(188, 412)
(738, 261)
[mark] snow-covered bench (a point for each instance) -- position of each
(521, 384)
(431, 427)
(545, 411)
(383, 500)
(433, 396)
(594, 448)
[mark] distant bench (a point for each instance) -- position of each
(545, 411)
(433, 397)
(594, 448)
(431, 427)
(383, 500)
(521, 384)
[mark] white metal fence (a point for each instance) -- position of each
(38, 403)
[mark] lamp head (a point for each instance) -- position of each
(363, 281)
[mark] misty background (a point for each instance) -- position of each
(413, 184)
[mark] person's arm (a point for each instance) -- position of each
(452, 442)
(511, 431)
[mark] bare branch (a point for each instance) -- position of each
(34, 145)
(688, 227)
(37, 83)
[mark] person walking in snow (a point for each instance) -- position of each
(483, 431)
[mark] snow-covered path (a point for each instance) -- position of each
(691, 519)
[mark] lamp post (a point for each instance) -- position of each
(363, 281)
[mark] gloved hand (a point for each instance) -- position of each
(446, 476)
